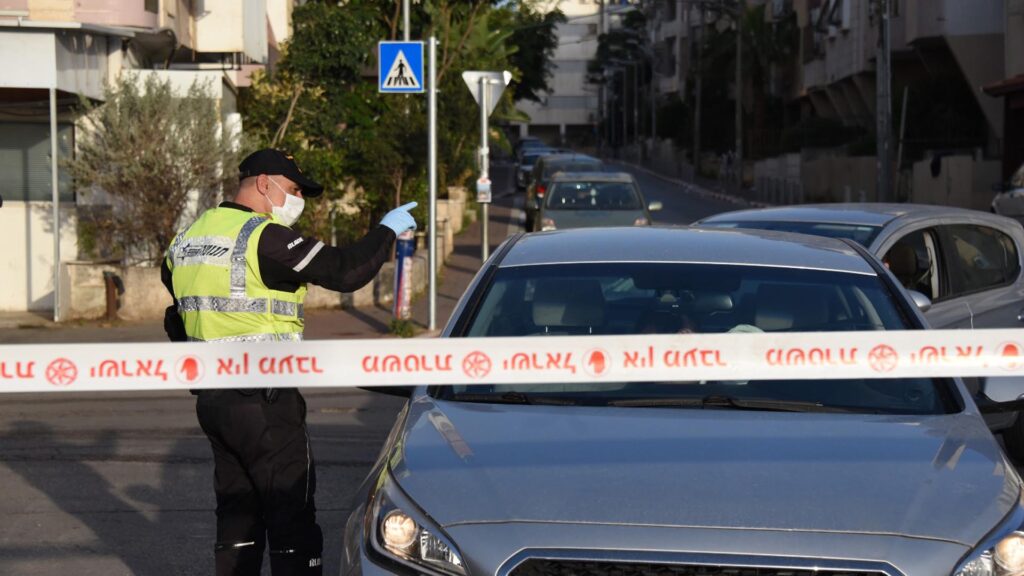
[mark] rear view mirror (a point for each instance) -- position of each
(654, 206)
(1001, 394)
(922, 302)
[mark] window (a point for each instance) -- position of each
(979, 258)
(913, 261)
(593, 196)
(670, 11)
(655, 298)
(25, 161)
(151, 6)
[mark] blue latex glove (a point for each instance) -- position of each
(399, 219)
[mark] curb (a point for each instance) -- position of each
(693, 188)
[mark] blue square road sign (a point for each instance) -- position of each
(400, 67)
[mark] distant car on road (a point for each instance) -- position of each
(966, 262)
(546, 167)
(524, 169)
(526, 143)
(587, 200)
(847, 477)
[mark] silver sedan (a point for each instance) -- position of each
(767, 478)
(968, 263)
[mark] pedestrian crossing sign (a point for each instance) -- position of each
(400, 67)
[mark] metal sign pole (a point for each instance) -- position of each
(484, 168)
(432, 176)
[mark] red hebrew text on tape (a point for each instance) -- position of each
(139, 368)
(61, 372)
(289, 365)
(476, 364)
(811, 356)
(407, 363)
(539, 361)
(17, 370)
(692, 358)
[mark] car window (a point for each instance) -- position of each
(656, 298)
(861, 234)
(593, 196)
(914, 261)
(979, 257)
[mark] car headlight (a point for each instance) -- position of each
(402, 533)
(1002, 555)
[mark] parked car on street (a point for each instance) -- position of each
(1010, 201)
(590, 199)
(851, 477)
(968, 263)
(546, 167)
(524, 169)
(524, 144)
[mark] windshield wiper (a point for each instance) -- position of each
(728, 403)
(512, 398)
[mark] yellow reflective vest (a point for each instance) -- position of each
(216, 277)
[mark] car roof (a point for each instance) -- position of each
(859, 214)
(592, 176)
(685, 245)
(561, 157)
(540, 152)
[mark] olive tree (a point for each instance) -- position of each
(157, 157)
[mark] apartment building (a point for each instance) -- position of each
(57, 51)
(1011, 89)
(568, 113)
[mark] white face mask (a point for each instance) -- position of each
(291, 210)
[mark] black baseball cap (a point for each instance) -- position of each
(277, 163)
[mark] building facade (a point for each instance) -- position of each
(58, 51)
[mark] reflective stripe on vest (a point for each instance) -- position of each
(217, 284)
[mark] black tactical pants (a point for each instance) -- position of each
(264, 481)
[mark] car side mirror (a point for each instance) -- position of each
(1001, 394)
(922, 302)
(400, 391)
(655, 206)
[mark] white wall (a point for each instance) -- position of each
(26, 263)
(232, 26)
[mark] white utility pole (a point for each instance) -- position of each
(486, 88)
(432, 174)
(405, 20)
(697, 90)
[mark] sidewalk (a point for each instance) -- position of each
(372, 322)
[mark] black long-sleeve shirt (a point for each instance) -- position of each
(288, 259)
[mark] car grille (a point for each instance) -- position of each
(540, 567)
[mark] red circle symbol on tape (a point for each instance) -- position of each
(189, 369)
(61, 372)
(596, 363)
(883, 358)
(1010, 353)
(476, 364)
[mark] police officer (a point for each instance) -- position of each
(239, 274)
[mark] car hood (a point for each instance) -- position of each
(938, 477)
(592, 218)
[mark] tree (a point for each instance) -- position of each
(369, 149)
(534, 38)
(153, 169)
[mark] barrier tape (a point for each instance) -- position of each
(563, 359)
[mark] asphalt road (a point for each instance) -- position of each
(682, 203)
(123, 484)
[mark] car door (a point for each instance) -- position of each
(984, 273)
(914, 257)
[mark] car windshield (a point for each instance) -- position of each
(579, 195)
(670, 298)
(860, 234)
(572, 166)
